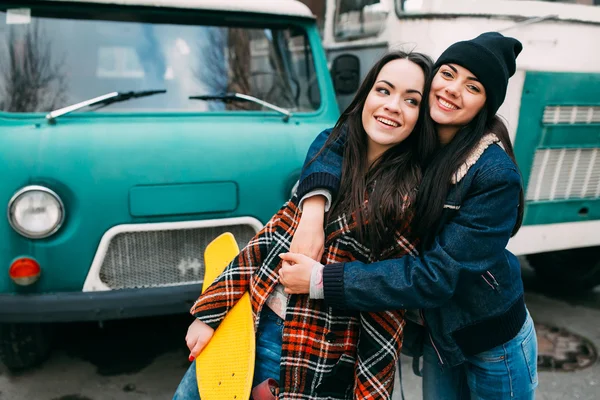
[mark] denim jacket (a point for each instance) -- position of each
(467, 285)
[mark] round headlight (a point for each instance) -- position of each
(35, 212)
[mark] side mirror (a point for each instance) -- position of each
(345, 73)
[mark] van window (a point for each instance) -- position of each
(409, 6)
(51, 57)
(415, 6)
(582, 2)
(360, 18)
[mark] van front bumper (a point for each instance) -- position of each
(97, 306)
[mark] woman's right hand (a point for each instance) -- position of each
(198, 335)
(309, 238)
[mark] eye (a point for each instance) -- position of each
(474, 88)
(413, 102)
(383, 90)
(446, 74)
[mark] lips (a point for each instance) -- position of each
(446, 104)
(388, 121)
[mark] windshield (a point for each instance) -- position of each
(51, 58)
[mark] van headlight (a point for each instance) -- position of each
(36, 212)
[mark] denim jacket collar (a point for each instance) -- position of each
(485, 142)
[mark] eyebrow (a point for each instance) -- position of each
(394, 87)
(470, 78)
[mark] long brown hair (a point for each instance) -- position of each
(445, 162)
(397, 171)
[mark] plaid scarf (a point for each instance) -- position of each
(327, 353)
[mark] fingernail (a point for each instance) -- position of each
(191, 358)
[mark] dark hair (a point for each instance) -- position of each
(397, 171)
(445, 162)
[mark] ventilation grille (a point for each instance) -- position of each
(554, 115)
(162, 258)
(559, 174)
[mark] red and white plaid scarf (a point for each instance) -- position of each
(327, 353)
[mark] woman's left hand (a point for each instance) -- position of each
(295, 274)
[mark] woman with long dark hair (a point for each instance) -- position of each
(314, 350)
(478, 340)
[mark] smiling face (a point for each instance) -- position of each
(391, 108)
(456, 97)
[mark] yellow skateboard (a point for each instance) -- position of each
(225, 367)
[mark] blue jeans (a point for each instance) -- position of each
(508, 371)
(267, 362)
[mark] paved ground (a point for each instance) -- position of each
(145, 358)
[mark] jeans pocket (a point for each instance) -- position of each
(529, 348)
(496, 354)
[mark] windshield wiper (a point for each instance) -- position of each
(104, 100)
(243, 97)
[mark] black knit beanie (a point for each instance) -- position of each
(492, 58)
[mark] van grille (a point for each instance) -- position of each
(559, 174)
(571, 115)
(162, 257)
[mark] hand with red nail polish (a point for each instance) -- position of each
(198, 335)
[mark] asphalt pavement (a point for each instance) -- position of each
(144, 359)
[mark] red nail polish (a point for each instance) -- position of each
(191, 358)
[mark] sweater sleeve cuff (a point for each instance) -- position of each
(333, 285)
(316, 282)
(209, 319)
(317, 192)
(318, 180)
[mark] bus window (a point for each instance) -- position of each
(582, 2)
(409, 6)
(360, 18)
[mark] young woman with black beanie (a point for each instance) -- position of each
(469, 319)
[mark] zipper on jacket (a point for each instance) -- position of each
(488, 282)
(495, 285)
(493, 278)
(431, 338)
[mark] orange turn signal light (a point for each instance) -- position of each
(24, 271)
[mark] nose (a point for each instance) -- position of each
(393, 105)
(452, 89)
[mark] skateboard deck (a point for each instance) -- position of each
(225, 367)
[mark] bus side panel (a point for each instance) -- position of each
(558, 147)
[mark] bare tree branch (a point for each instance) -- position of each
(31, 79)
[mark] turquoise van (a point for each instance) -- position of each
(132, 133)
